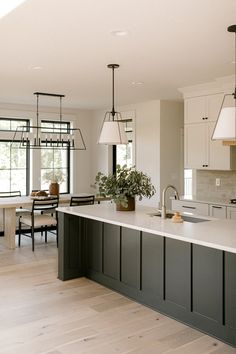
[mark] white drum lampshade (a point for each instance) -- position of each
(225, 128)
(113, 133)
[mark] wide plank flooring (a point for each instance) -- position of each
(43, 315)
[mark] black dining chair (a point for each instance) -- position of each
(40, 219)
(82, 200)
(10, 194)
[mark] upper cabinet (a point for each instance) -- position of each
(200, 151)
(202, 108)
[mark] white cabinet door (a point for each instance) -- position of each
(194, 109)
(217, 211)
(231, 213)
(202, 108)
(213, 104)
(201, 152)
(219, 155)
(196, 146)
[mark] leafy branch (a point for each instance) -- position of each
(127, 182)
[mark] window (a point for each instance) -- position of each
(14, 163)
(123, 154)
(10, 124)
(55, 162)
(188, 182)
(55, 127)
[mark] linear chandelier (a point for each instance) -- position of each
(225, 128)
(43, 137)
(113, 131)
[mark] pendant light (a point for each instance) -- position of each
(53, 135)
(113, 131)
(225, 128)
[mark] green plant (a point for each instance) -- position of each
(127, 182)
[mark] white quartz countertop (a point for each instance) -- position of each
(219, 234)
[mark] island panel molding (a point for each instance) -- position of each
(189, 282)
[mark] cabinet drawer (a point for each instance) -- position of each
(231, 213)
(190, 207)
(217, 211)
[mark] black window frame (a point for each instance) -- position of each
(21, 121)
(114, 149)
(67, 131)
(27, 189)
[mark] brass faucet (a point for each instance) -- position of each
(163, 206)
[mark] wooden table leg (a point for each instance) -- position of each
(9, 219)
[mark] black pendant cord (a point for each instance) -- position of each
(37, 119)
(113, 67)
(113, 93)
(60, 115)
(234, 66)
(232, 29)
(60, 110)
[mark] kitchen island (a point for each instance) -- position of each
(186, 271)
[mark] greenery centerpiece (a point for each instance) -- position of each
(123, 186)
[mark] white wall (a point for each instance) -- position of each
(171, 138)
(101, 154)
(147, 143)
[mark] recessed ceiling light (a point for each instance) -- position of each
(120, 33)
(8, 6)
(35, 67)
(137, 83)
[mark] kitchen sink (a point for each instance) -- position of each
(184, 217)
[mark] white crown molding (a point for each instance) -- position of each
(223, 84)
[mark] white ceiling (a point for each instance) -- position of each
(170, 44)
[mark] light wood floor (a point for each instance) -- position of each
(41, 314)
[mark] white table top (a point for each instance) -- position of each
(219, 234)
(16, 202)
(24, 201)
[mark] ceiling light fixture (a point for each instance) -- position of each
(8, 6)
(113, 131)
(137, 83)
(225, 128)
(50, 135)
(119, 33)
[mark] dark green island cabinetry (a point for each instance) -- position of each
(189, 282)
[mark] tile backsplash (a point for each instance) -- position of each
(206, 184)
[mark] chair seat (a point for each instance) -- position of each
(39, 220)
(21, 211)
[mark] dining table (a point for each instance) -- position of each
(10, 204)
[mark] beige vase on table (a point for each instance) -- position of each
(54, 188)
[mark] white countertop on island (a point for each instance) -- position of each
(218, 234)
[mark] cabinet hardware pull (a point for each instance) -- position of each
(188, 207)
(216, 207)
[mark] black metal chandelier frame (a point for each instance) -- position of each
(39, 137)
